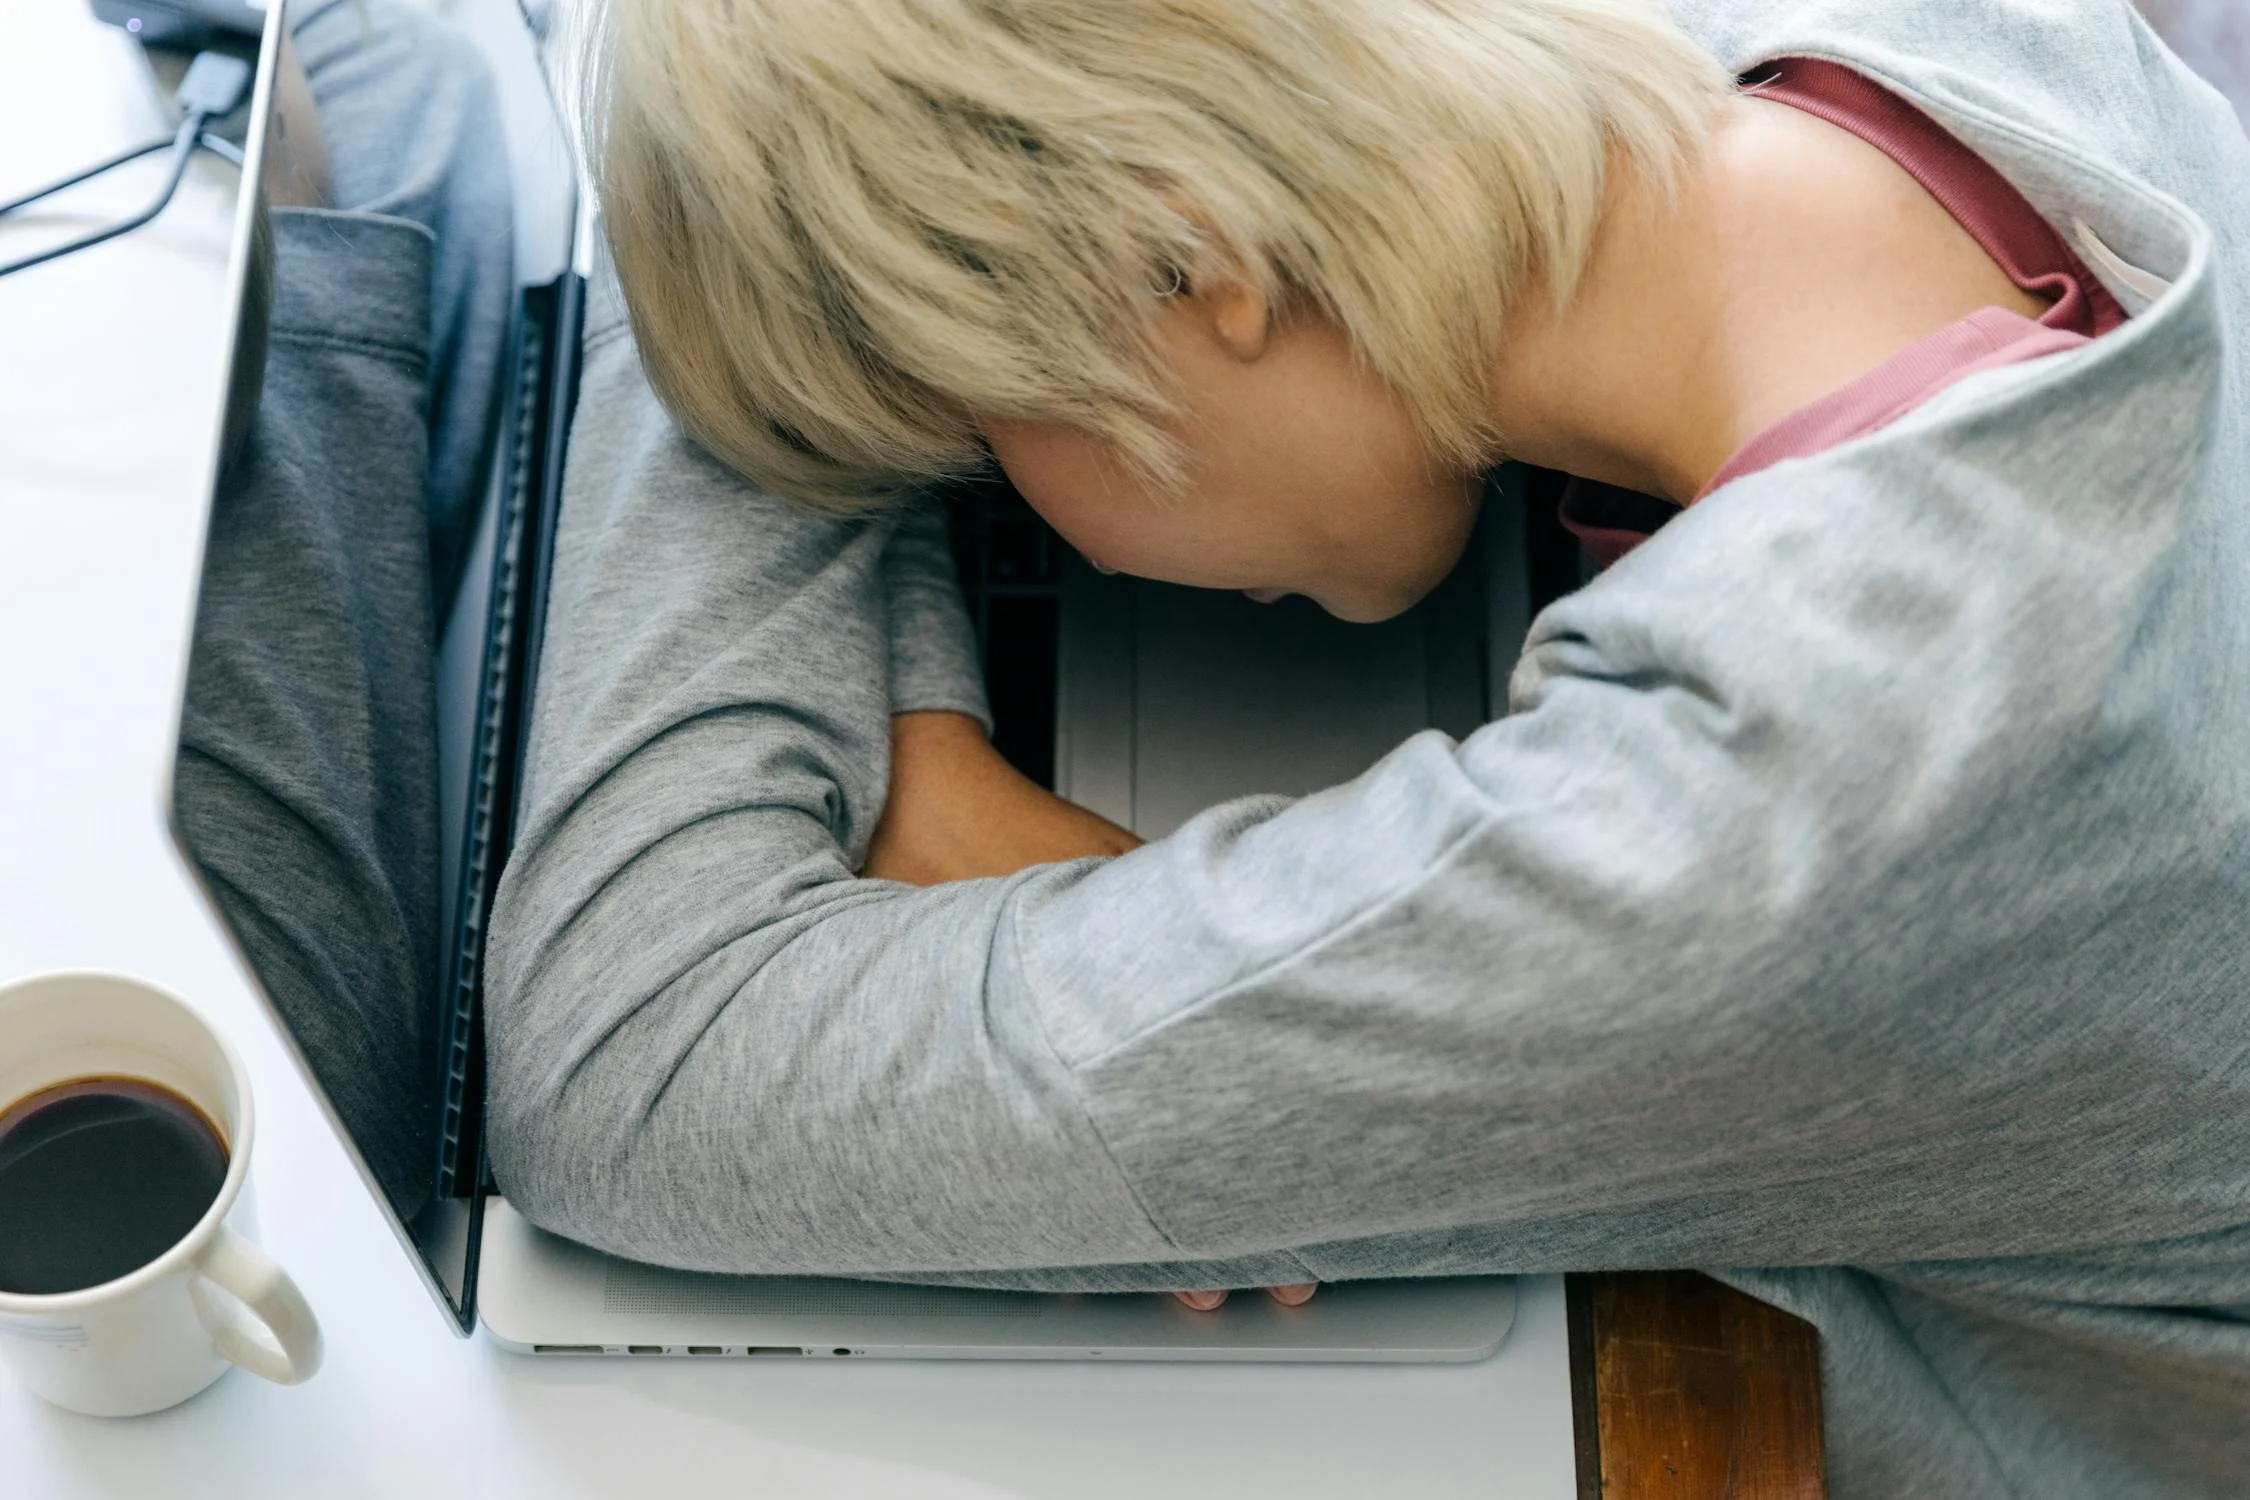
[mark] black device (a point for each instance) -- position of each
(184, 23)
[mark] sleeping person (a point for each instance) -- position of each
(1851, 902)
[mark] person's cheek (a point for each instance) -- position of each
(1036, 461)
(1222, 535)
(1395, 567)
(1062, 476)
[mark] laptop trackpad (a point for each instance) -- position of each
(1173, 699)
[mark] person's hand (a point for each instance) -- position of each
(957, 811)
(1293, 1295)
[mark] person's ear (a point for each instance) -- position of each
(1241, 317)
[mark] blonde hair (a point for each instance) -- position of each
(844, 226)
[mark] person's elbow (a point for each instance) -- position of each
(609, 1001)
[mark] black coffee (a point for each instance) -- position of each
(99, 1177)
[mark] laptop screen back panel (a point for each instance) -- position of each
(347, 715)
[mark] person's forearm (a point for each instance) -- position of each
(711, 1044)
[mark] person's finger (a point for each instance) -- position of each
(1202, 1301)
(1296, 1295)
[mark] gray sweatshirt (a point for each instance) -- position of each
(1856, 888)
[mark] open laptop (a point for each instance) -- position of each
(354, 716)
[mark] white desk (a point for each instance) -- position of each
(109, 386)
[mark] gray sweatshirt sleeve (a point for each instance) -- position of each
(931, 650)
(1668, 967)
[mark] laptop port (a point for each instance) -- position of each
(755, 1350)
(566, 1348)
(705, 1349)
(644, 1348)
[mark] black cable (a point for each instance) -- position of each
(119, 160)
(217, 145)
(213, 85)
(183, 147)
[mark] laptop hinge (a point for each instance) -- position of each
(537, 428)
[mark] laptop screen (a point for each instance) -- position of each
(347, 702)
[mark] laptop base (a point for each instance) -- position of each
(541, 1294)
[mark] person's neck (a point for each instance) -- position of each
(1791, 259)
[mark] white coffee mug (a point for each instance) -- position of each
(156, 1335)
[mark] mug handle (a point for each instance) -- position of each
(286, 1348)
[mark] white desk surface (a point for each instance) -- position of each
(109, 385)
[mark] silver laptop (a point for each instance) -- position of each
(364, 661)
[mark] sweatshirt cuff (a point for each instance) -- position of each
(933, 649)
(355, 279)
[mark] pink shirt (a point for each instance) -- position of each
(1609, 522)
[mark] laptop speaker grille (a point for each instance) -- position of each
(637, 1289)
